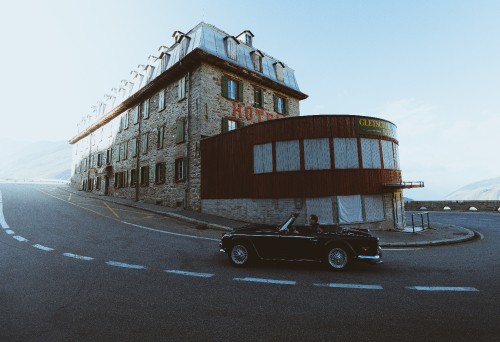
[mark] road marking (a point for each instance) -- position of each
(43, 248)
(124, 265)
(352, 286)
(267, 281)
(442, 288)
(400, 249)
(111, 209)
(10, 232)
(2, 218)
(192, 274)
(69, 198)
(20, 238)
(79, 257)
(169, 233)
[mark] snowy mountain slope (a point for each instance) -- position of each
(488, 189)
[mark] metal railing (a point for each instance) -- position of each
(422, 216)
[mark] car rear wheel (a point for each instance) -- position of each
(337, 258)
(240, 255)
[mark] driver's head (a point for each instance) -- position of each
(313, 219)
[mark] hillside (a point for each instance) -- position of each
(28, 160)
(488, 189)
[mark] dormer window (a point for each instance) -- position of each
(279, 68)
(231, 47)
(257, 60)
(164, 58)
(246, 37)
(184, 46)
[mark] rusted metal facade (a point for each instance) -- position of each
(228, 162)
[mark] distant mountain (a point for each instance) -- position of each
(488, 189)
(41, 160)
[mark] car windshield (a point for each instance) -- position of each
(287, 224)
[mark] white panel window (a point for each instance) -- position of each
(321, 207)
(161, 100)
(181, 88)
(263, 158)
(388, 155)
(287, 155)
(317, 154)
(349, 209)
(346, 153)
(374, 207)
(231, 48)
(371, 153)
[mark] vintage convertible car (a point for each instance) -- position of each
(334, 246)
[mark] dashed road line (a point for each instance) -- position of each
(20, 238)
(43, 248)
(443, 288)
(192, 274)
(125, 265)
(10, 232)
(351, 286)
(2, 218)
(401, 249)
(267, 281)
(79, 257)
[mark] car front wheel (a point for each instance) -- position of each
(337, 258)
(240, 255)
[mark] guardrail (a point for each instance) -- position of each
(422, 215)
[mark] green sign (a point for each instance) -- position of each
(374, 126)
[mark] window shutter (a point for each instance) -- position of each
(285, 106)
(147, 175)
(260, 98)
(225, 126)
(224, 86)
(240, 124)
(275, 100)
(176, 172)
(180, 131)
(185, 168)
(240, 91)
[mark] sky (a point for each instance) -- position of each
(430, 67)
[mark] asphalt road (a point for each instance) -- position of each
(80, 269)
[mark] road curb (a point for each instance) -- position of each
(471, 235)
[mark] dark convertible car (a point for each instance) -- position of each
(332, 245)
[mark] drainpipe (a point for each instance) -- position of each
(138, 151)
(188, 143)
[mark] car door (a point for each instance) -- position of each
(299, 246)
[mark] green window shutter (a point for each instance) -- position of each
(240, 124)
(225, 126)
(162, 172)
(180, 131)
(275, 100)
(259, 98)
(285, 106)
(240, 91)
(147, 175)
(224, 86)
(185, 167)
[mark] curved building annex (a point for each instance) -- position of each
(212, 124)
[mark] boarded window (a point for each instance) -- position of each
(349, 209)
(321, 207)
(371, 153)
(263, 158)
(346, 153)
(317, 154)
(374, 207)
(287, 155)
(388, 155)
(396, 156)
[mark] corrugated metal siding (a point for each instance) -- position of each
(228, 163)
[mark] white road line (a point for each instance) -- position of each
(267, 281)
(79, 257)
(352, 286)
(20, 238)
(10, 232)
(124, 265)
(442, 288)
(192, 274)
(400, 249)
(169, 233)
(43, 248)
(2, 218)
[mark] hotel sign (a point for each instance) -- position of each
(372, 126)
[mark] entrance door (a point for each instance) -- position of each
(106, 185)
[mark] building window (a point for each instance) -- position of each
(317, 154)
(184, 46)
(164, 61)
(287, 155)
(389, 154)
(280, 105)
(160, 136)
(145, 109)
(133, 177)
(231, 48)
(160, 173)
(161, 100)
(145, 175)
(118, 152)
(258, 98)
(230, 125)
(133, 146)
(98, 183)
(279, 68)
(181, 89)
(231, 89)
(135, 114)
(370, 150)
(124, 149)
(180, 169)
(263, 158)
(108, 156)
(346, 153)
(125, 120)
(257, 61)
(374, 208)
(99, 160)
(349, 209)
(180, 131)
(144, 143)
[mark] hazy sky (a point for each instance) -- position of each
(431, 67)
